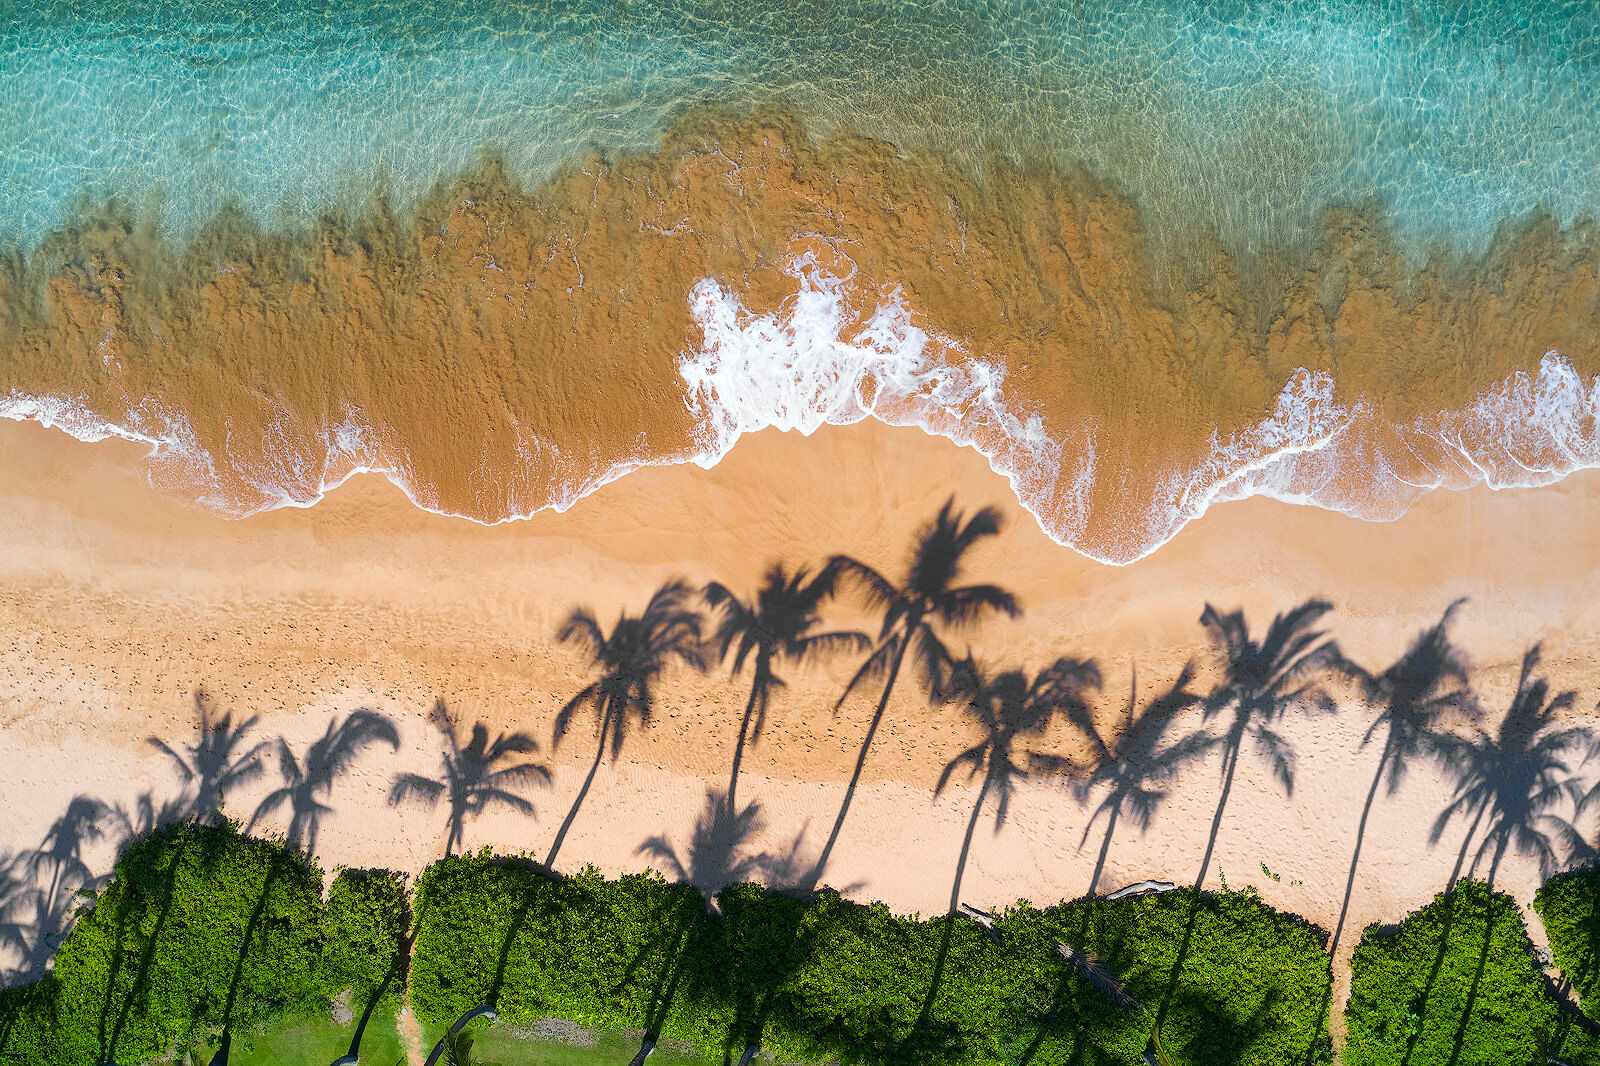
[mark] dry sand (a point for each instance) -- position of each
(115, 604)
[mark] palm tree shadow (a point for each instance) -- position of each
(773, 942)
(536, 876)
(1261, 681)
(41, 888)
(717, 854)
(206, 854)
(1134, 766)
(216, 763)
(1010, 708)
(1510, 783)
(721, 865)
(673, 942)
(629, 659)
(775, 627)
(1417, 693)
(326, 759)
(472, 778)
(928, 594)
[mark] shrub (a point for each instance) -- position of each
(1487, 994)
(504, 931)
(1569, 905)
(28, 1021)
(1253, 987)
(153, 960)
(826, 978)
(364, 931)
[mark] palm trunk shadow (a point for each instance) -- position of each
(244, 953)
(1199, 886)
(397, 965)
(1446, 926)
(738, 750)
(950, 918)
(1323, 1017)
(490, 1006)
(1105, 850)
(1062, 987)
(814, 878)
(1483, 959)
(118, 955)
(665, 987)
(583, 793)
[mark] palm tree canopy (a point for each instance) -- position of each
(631, 657)
(1519, 775)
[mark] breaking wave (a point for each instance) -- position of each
(828, 358)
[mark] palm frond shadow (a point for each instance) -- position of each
(217, 762)
(474, 776)
(307, 779)
(1010, 708)
(1135, 766)
(628, 660)
(777, 626)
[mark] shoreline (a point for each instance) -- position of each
(118, 603)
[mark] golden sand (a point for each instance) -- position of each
(117, 604)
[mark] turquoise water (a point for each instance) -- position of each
(1244, 119)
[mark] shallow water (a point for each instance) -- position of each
(1246, 118)
(1145, 258)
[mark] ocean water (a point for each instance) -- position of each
(959, 219)
(1246, 118)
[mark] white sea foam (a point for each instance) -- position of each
(834, 355)
(812, 365)
(799, 370)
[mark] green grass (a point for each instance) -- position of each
(496, 1045)
(317, 1041)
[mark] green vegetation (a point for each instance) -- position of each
(501, 1045)
(364, 932)
(1457, 980)
(1569, 905)
(314, 1039)
(159, 956)
(823, 978)
(156, 957)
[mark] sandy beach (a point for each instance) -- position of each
(117, 605)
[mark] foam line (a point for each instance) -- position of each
(822, 359)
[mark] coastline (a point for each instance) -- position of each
(118, 603)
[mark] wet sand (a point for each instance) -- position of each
(502, 348)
